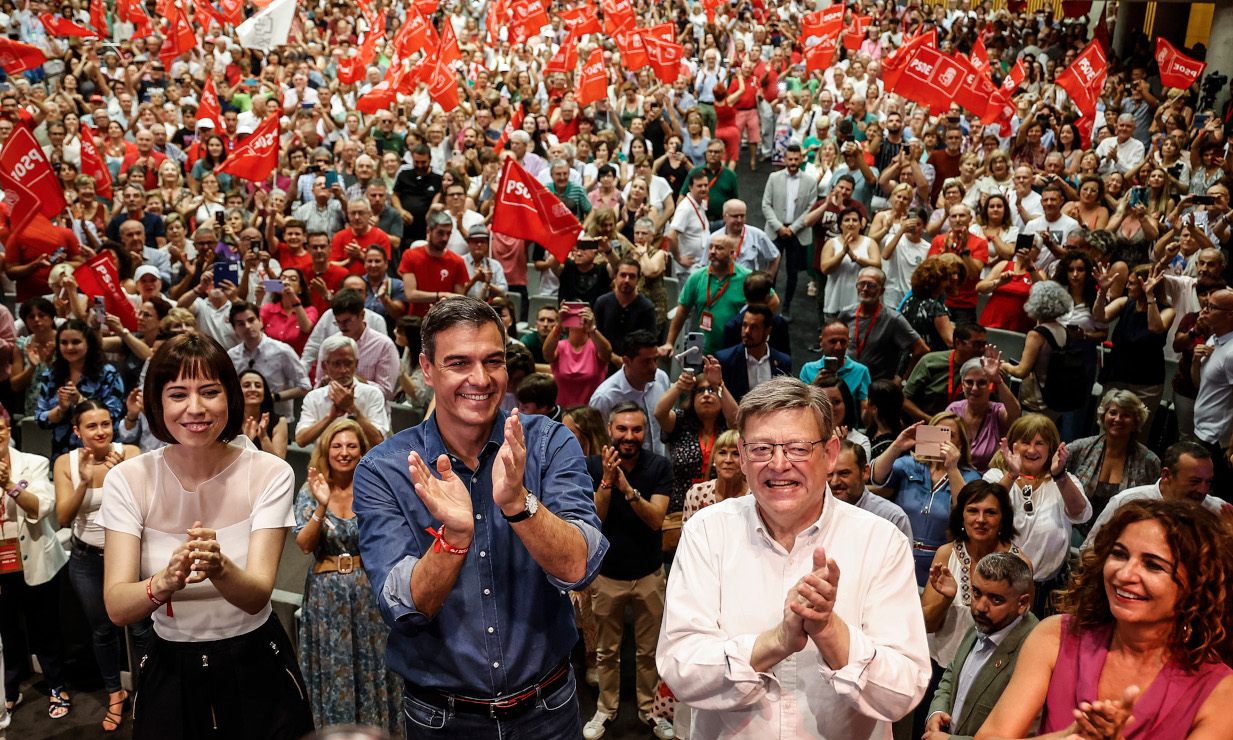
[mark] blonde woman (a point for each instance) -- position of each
(348, 681)
(888, 222)
(729, 481)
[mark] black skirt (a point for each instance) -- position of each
(241, 687)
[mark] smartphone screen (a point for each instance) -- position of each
(573, 317)
(100, 310)
(273, 286)
(331, 179)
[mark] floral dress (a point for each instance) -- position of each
(342, 637)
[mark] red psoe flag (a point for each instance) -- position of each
(92, 163)
(98, 17)
(514, 123)
(1084, 78)
(206, 13)
(980, 58)
(825, 22)
(665, 57)
(1176, 69)
(525, 209)
(894, 65)
(1011, 81)
(30, 185)
(350, 70)
(415, 35)
(233, 11)
(58, 25)
(98, 277)
(566, 58)
(854, 34)
(582, 19)
(593, 82)
(448, 51)
(443, 87)
(633, 50)
(16, 57)
(209, 107)
(976, 93)
(618, 16)
(931, 78)
(257, 157)
(180, 37)
(819, 56)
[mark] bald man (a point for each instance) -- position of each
(754, 250)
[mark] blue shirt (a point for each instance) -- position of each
(852, 372)
(928, 509)
(507, 622)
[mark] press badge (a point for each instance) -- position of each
(706, 321)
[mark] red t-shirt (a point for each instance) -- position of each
(566, 131)
(151, 172)
(338, 247)
(965, 297)
(303, 262)
(749, 98)
(945, 167)
(432, 274)
(333, 278)
(32, 242)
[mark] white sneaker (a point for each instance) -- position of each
(660, 726)
(597, 726)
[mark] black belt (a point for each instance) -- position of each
(87, 549)
(504, 708)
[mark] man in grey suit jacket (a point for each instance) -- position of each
(788, 196)
(1001, 586)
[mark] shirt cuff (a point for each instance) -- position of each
(597, 546)
(850, 680)
(397, 592)
(740, 673)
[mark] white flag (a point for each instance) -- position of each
(269, 28)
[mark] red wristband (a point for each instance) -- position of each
(441, 545)
(150, 593)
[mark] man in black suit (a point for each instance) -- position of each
(753, 361)
(1001, 592)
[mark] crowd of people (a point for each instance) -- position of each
(990, 501)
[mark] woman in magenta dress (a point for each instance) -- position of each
(580, 363)
(1141, 649)
(1010, 282)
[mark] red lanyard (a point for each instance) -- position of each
(706, 453)
(709, 301)
(711, 184)
(950, 378)
(860, 343)
(705, 224)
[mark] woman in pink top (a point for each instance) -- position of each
(580, 363)
(290, 317)
(1141, 650)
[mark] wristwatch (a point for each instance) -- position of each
(532, 506)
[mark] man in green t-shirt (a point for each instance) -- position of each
(712, 296)
(723, 183)
(545, 319)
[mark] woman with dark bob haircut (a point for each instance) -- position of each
(202, 522)
(1141, 647)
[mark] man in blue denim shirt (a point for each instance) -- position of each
(480, 626)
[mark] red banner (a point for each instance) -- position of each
(593, 82)
(825, 22)
(618, 16)
(582, 19)
(209, 108)
(379, 98)
(930, 78)
(897, 62)
(819, 56)
(415, 35)
(664, 56)
(448, 51)
(1176, 69)
(350, 70)
(57, 25)
(977, 92)
(980, 58)
(206, 14)
(233, 11)
(257, 157)
(93, 164)
(24, 167)
(443, 85)
(141, 21)
(525, 209)
(529, 17)
(16, 57)
(514, 123)
(179, 37)
(1084, 78)
(98, 17)
(566, 58)
(98, 276)
(633, 50)
(854, 34)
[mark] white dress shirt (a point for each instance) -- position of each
(692, 234)
(755, 249)
(326, 328)
(1138, 493)
(368, 400)
(792, 189)
(278, 363)
(1129, 154)
(728, 586)
(758, 369)
(1212, 404)
(617, 388)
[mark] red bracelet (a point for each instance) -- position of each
(150, 593)
(441, 545)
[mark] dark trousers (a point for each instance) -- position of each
(1222, 482)
(248, 686)
(554, 716)
(794, 259)
(40, 607)
(85, 569)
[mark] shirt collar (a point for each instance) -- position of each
(434, 445)
(1220, 340)
(809, 534)
(997, 637)
(766, 357)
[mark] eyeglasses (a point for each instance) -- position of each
(796, 451)
(1028, 507)
(867, 284)
(975, 345)
(710, 391)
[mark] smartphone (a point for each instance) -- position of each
(380, 147)
(273, 286)
(100, 310)
(929, 441)
(226, 271)
(306, 106)
(331, 179)
(58, 256)
(218, 218)
(832, 364)
(1024, 242)
(252, 82)
(573, 314)
(1204, 200)
(1200, 120)
(695, 352)
(1138, 195)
